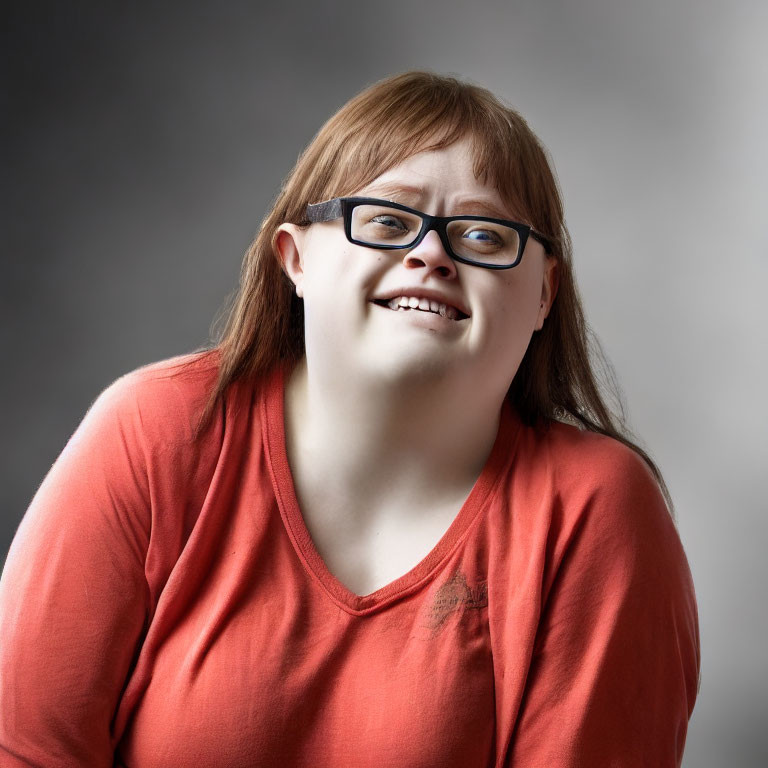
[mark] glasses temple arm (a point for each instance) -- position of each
(326, 211)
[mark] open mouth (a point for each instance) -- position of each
(415, 304)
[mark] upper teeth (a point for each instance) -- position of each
(426, 305)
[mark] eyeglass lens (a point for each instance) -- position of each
(483, 241)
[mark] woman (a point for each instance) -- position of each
(360, 532)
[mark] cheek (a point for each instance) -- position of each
(335, 291)
(518, 299)
(512, 324)
(512, 327)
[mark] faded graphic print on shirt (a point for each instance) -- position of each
(453, 597)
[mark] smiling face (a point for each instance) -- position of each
(401, 314)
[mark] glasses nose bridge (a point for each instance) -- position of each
(439, 225)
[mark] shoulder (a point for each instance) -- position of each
(161, 402)
(598, 500)
(585, 466)
(608, 528)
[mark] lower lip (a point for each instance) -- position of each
(423, 319)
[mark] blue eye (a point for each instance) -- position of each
(388, 221)
(482, 235)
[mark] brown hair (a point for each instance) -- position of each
(383, 125)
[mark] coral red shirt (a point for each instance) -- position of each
(163, 605)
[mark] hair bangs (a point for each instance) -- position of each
(388, 131)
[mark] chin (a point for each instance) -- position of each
(403, 364)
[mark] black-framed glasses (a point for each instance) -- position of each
(476, 240)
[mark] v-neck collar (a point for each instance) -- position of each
(273, 430)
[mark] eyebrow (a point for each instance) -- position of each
(486, 208)
(412, 194)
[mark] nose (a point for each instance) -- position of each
(431, 254)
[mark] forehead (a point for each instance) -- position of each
(446, 175)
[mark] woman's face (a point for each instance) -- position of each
(350, 328)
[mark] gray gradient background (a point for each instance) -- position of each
(143, 148)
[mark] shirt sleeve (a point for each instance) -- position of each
(73, 596)
(615, 667)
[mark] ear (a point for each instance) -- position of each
(289, 244)
(549, 284)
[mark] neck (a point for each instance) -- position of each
(404, 441)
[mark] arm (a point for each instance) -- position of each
(73, 596)
(614, 674)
